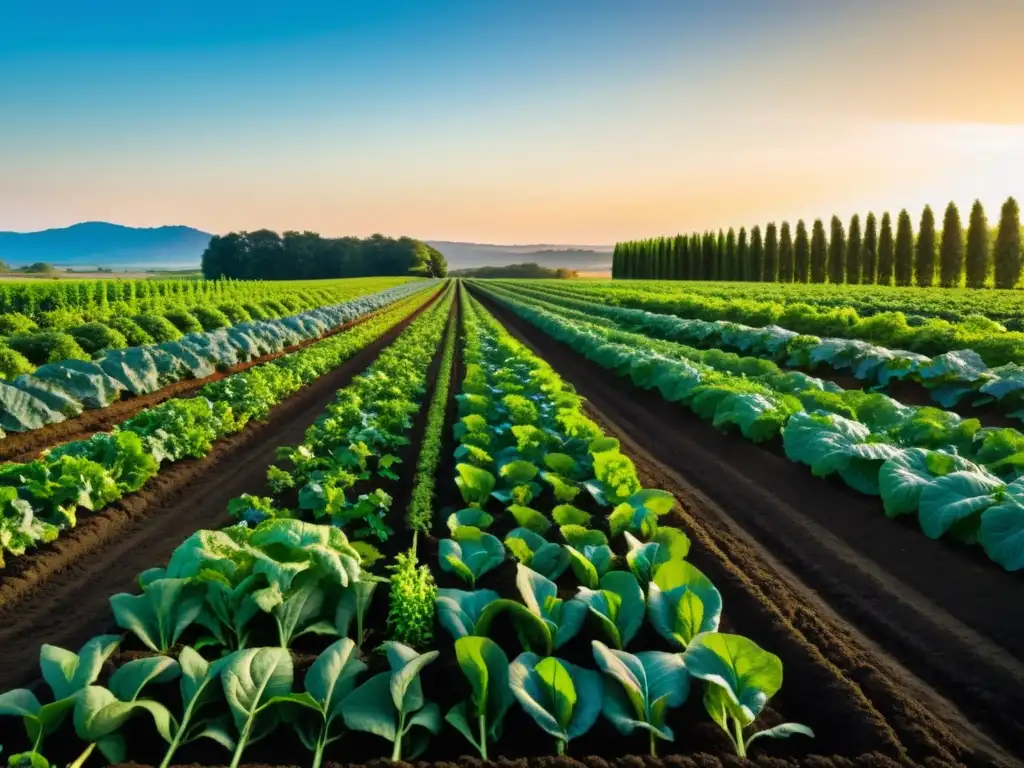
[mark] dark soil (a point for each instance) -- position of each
(25, 446)
(880, 628)
(59, 594)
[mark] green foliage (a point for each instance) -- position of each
(951, 249)
(160, 329)
(1007, 250)
(184, 321)
(411, 602)
(979, 256)
(47, 347)
(924, 266)
(904, 250)
(95, 337)
(13, 363)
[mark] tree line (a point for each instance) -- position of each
(874, 253)
(266, 255)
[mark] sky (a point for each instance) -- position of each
(504, 121)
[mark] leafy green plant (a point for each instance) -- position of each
(256, 682)
(392, 705)
(412, 596)
(199, 689)
(682, 603)
(641, 689)
(353, 606)
(741, 677)
(590, 562)
(533, 550)
(474, 483)
(486, 668)
(472, 516)
(458, 611)
(644, 558)
(66, 674)
(159, 616)
(563, 699)
(470, 553)
(618, 605)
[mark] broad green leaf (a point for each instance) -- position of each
(953, 498)
(682, 602)
(567, 514)
(333, 675)
(529, 518)
(67, 673)
(252, 677)
(619, 604)
(129, 680)
(1002, 529)
(747, 674)
(562, 698)
(458, 610)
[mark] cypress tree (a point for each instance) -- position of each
(837, 252)
(709, 256)
(951, 249)
(854, 251)
(819, 252)
(720, 263)
(977, 247)
(770, 274)
(1007, 248)
(903, 268)
(785, 254)
(756, 260)
(616, 259)
(869, 257)
(742, 255)
(925, 253)
(730, 255)
(801, 254)
(696, 257)
(886, 251)
(680, 265)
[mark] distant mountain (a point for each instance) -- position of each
(99, 244)
(589, 258)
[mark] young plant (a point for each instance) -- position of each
(301, 611)
(470, 553)
(458, 611)
(590, 563)
(682, 602)
(740, 677)
(534, 551)
(198, 689)
(471, 516)
(101, 712)
(639, 513)
(66, 674)
(618, 605)
(641, 689)
(392, 705)
(353, 605)
(485, 665)
(159, 616)
(255, 682)
(644, 558)
(562, 698)
(475, 484)
(412, 596)
(328, 682)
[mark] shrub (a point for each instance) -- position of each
(15, 322)
(13, 363)
(256, 312)
(159, 328)
(184, 321)
(47, 347)
(211, 319)
(293, 304)
(135, 334)
(60, 319)
(235, 313)
(95, 337)
(274, 308)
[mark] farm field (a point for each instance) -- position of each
(556, 521)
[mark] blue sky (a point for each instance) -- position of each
(564, 121)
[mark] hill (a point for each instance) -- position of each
(98, 243)
(583, 258)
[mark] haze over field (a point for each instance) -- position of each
(581, 121)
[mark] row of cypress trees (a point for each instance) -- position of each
(872, 254)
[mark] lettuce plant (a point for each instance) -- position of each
(412, 595)
(470, 553)
(472, 516)
(66, 674)
(740, 677)
(392, 705)
(474, 483)
(486, 668)
(199, 689)
(618, 605)
(640, 690)
(534, 551)
(644, 558)
(458, 611)
(590, 563)
(159, 616)
(682, 602)
(256, 681)
(562, 698)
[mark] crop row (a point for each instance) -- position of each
(927, 336)
(950, 378)
(42, 498)
(283, 579)
(960, 479)
(58, 390)
(71, 332)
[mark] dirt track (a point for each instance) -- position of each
(59, 595)
(887, 606)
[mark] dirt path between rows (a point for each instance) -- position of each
(917, 624)
(63, 599)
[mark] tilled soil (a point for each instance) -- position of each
(59, 594)
(921, 638)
